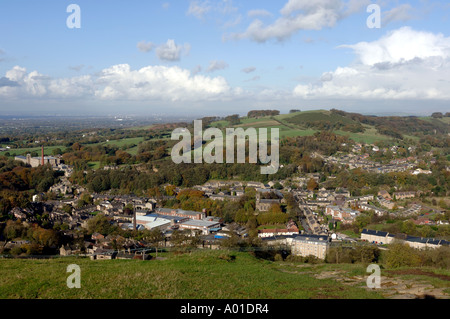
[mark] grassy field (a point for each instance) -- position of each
(197, 275)
(369, 136)
(24, 151)
(122, 142)
(327, 116)
(126, 141)
(292, 125)
(94, 165)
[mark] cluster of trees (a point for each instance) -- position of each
(15, 176)
(439, 115)
(153, 151)
(365, 254)
(40, 240)
(262, 113)
(360, 182)
(336, 125)
(389, 131)
(131, 179)
(409, 125)
(233, 119)
(397, 255)
(18, 182)
(79, 155)
(440, 141)
(299, 151)
(408, 227)
(403, 255)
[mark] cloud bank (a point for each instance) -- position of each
(404, 64)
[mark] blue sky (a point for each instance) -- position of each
(223, 56)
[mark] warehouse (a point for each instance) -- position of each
(203, 225)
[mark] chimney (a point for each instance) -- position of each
(134, 219)
(42, 155)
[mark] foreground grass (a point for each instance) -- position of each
(198, 275)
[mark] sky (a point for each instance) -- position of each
(221, 57)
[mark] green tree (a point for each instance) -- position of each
(156, 237)
(400, 255)
(99, 224)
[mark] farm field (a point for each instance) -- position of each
(24, 151)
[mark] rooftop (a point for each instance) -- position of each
(200, 223)
(314, 238)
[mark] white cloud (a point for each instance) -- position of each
(404, 64)
(249, 69)
(196, 70)
(217, 65)
(403, 44)
(255, 78)
(76, 67)
(170, 51)
(354, 6)
(199, 9)
(400, 13)
(118, 82)
(33, 84)
(299, 15)
(259, 13)
(144, 46)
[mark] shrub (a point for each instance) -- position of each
(401, 255)
(278, 257)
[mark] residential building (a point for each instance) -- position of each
(345, 215)
(310, 245)
(378, 211)
(181, 213)
(386, 203)
(380, 237)
(404, 195)
(377, 237)
(383, 193)
(264, 205)
(291, 229)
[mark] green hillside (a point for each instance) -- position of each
(198, 275)
(303, 118)
(299, 124)
(206, 274)
(360, 128)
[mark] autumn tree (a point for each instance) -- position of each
(312, 184)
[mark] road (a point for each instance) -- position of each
(309, 221)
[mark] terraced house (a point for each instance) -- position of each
(381, 237)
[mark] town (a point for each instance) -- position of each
(303, 214)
